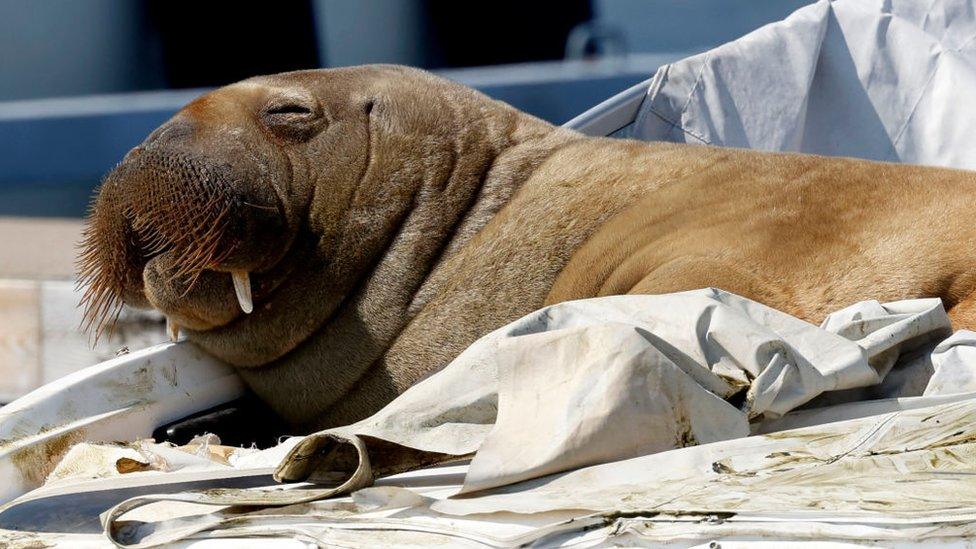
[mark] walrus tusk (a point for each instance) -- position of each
(242, 287)
(173, 329)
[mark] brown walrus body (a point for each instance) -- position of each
(386, 219)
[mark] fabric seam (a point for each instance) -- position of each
(676, 126)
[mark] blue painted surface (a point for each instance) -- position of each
(51, 166)
(52, 162)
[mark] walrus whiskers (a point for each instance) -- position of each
(190, 220)
(103, 266)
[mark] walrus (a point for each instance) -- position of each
(339, 234)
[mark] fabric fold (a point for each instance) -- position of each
(587, 383)
(596, 381)
(606, 379)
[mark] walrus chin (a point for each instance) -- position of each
(177, 210)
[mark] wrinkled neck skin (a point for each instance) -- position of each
(358, 324)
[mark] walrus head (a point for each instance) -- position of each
(283, 190)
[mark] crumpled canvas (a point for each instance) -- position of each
(612, 382)
(876, 79)
(611, 378)
(88, 460)
(900, 476)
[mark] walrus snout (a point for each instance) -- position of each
(169, 213)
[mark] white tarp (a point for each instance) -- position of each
(900, 477)
(612, 378)
(887, 80)
(606, 387)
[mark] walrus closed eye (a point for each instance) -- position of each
(339, 234)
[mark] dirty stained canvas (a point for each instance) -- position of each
(635, 398)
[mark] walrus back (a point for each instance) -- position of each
(801, 233)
